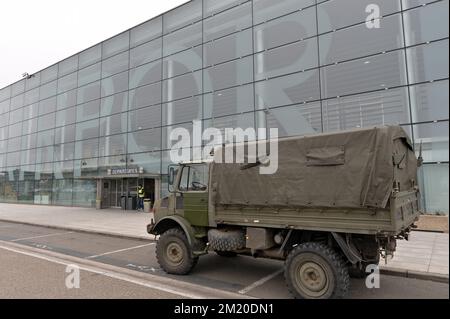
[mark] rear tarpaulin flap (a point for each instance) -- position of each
(346, 169)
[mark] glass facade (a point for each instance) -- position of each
(303, 66)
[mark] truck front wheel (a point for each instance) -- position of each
(174, 254)
(314, 270)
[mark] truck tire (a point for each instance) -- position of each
(174, 254)
(226, 239)
(227, 254)
(315, 271)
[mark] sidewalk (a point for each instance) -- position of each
(106, 221)
(425, 255)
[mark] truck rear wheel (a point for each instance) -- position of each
(314, 270)
(174, 254)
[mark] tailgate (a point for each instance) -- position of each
(404, 209)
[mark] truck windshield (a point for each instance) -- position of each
(194, 178)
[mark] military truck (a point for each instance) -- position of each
(336, 203)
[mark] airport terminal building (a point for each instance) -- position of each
(95, 125)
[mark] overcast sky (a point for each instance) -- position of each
(37, 33)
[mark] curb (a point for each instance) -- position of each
(421, 275)
(80, 230)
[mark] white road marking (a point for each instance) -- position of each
(42, 236)
(118, 251)
(111, 274)
(260, 282)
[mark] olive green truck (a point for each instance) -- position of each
(336, 203)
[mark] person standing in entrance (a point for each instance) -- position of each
(141, 195)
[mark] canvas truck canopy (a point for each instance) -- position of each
(351, 169)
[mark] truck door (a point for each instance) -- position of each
(194, 188)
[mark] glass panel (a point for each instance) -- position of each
(33, 82)
(292, 120)
(167, 143)
(268, 9)
(146, 31)
(65, 134)
(4, 119)
(145, 74)
(13, 159)
(414, 3)
(182, 39)
(15, 130)
(29, 126)
(47, 90)
(64, 152)
(183, 62)
(68, 66)
(150, 162)
(374, 73)
(287, 59)
(90, 56)
(85, 167)
(284, 30)
(62, 192)
(228, 48)
(67, 99)
(86, 148)
(15, 116)
(29, 142)
(112, 162)
(17, 101)
(5, 93)
(115, 84)
(114, 104)
(418, 28)
(183, 86)
(87, 129)
(336, 14)
(14, 144)
(113, 145)
(30, 111)
(145, 96)
(434, 140)
(47, 106)
(88, 111)
(182, 16)
(49, 74)
(286, 90)
(181, 111)
(243, 121)
(428, 62)
(144, 141)
(148, 117)
(44, 155)
(89, 74)
(26, 190)
(84, 193)
(66, 117)
(434, 188)
(430, 101)
(214, 6)
(228, 22)
(89, 92)
(366, 110)
(18, 87)
(146, 53)
(45, 138)
(117, 44)
(230, 101)
(228, 74)
(4, 106)
(43, 189)
(360, 41)
(113, 124)
(116, 64)
(31, 96)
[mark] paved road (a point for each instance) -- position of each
(26, 276)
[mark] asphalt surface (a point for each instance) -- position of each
(24, 276)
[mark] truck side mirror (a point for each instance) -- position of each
(171, 179)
